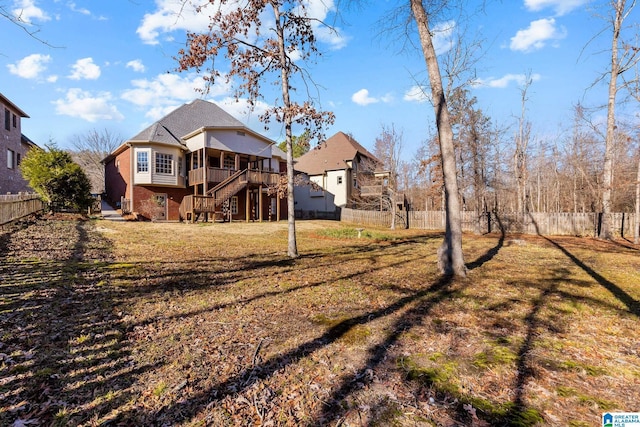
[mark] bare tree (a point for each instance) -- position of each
(259, 53)
(636, 230)
(450, 255)
(89, 151)
(520, 152)
(388, 148)
(16, 18)
(623, 58)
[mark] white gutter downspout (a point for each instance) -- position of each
(132, 173)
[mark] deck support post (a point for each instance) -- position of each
(248, 205)
(260, 203)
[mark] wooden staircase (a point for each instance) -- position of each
(192, 206)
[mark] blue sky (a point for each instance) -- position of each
(109, 64)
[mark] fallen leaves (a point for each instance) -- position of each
(173, 324)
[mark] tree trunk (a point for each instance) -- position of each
(450, 256)
(607, 171)
(393, 211)
(636, 231)
(292, 246)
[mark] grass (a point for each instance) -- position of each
(176, 324)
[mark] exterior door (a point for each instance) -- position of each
(160, 200)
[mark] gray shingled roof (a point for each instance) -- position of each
(331, 155)
(184, 120)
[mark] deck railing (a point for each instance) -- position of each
(197, 176)
(231, 182)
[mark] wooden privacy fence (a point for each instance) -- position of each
(16, 206)
(558, 223)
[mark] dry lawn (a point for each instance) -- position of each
(105, 323)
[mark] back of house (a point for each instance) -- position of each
(197, 160)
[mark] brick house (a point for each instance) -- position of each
(13, 147)
(197, 162)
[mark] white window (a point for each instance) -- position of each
(11, 159)
(164, 163)
(142, 164)
(234, 205)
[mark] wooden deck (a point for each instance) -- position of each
(231, 183)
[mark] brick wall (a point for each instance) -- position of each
(117, 176)
(143, 194)
(11, 180)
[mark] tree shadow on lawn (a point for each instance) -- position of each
(213, 276)
(186, 408)
(633, 306)
(65, 358)
(513, 413)
(444, 289)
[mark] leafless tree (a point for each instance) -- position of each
(636, 230)
(388, 148)
(258, 53)
(520, 152)
(623, 58)
(15, 17)
(450, 255)
(89, 151)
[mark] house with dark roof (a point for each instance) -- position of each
(196, 162)
(340, 167)
(13, 147)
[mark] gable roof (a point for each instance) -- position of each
(185, 119)
(332, 154)
(13, 106)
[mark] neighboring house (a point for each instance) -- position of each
(198, 161)
(340, 166)
(13, 147)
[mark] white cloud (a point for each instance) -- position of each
(417, 94)
(504, 81)
(81, 10)
(536, 36)
(85, 69)
(27, 12)
(167, 91)
(561, 7)
(242, 110)
(87, 106)
(136, 65)
(362, 97)
(171, 15)
(443, 36)
(319, 10)
(30, 67)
